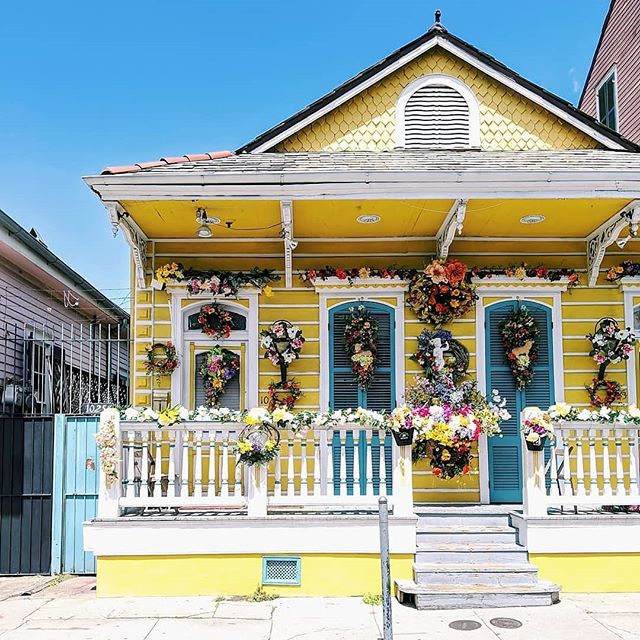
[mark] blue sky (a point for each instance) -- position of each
(88, 84)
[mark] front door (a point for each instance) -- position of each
(505, 452)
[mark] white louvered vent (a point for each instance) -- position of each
(436, 116)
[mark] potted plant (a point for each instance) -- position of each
(401, 426)
(537, 428)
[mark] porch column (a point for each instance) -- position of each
(110, 488)
(534, 492)
(257, 491)
(402, 482)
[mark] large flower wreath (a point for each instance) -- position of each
(439, 353)
(360, 343)
(519, 337)
(219, 367)
(215, 321)
(162, 358)
(442, 292)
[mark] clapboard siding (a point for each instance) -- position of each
(619, 46)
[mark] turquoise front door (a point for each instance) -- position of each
(505, 453)
(345, 392)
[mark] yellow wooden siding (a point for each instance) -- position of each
(507, 120)
(581, 308)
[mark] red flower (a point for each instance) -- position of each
(341, 274)
(444, 288)
(466, 469)
(311, 274)
(455, 271)
(542, 272)
(437, 472)
(440, 308)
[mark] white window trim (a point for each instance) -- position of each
(511, 293)
(612, 73)
(364, 294)
(631, 289)
(179, 336)
(439, 80)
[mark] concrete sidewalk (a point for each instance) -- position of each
(69, 610)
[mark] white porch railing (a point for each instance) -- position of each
(590, 464)
(194, 465)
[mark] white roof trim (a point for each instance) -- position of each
(473, 61)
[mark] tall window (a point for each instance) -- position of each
(345, 391)
(607, 101)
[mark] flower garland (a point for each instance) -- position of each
(215, 282)
(388, 273)
(613, 392)
(282, 343)
(519, 337)
(219, 367)
(107, 442)
(562, 412)
(215, 321)
(610, 344)
(441, 292)
(162, 358)
(439, 352)
(522, 271)
(290, 389)
(360, 344)
(627, 268)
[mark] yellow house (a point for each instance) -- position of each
(438, 151)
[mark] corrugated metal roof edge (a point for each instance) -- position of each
(54, 261)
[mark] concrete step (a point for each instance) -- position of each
(452, 516)
(446, 596)
(475, 573)
(466, 553)
(465, 534)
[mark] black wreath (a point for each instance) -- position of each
(457, 359)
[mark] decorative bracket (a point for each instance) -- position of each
(606, 234)
(452, 223)
(286, 215)
(133, 235)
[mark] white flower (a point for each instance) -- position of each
(131, 414)
(585, 414)
(257, 415)
(605, 412)
(634, 412)
(149, 414)
(280, 414)
(292, 332)
(183, 413)
(560, 409)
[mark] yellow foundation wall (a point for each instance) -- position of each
(508, 121)
(199, 575)
(590, 572)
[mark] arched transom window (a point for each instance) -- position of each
(437, 112)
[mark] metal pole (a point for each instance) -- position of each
(383, 514)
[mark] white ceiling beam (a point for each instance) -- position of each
(133, 235)
(606, 234)
(452, 223)
(286, 216)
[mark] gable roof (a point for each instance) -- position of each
(439, 36)
(605, 24)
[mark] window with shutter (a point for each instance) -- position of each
(345, 392)
(505, 452)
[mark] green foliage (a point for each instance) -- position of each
(372, 598)
(260, 595)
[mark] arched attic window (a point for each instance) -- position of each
(437, 112)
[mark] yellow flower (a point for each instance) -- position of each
(520, 273)
(268, 291)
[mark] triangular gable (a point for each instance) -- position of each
(589, 131)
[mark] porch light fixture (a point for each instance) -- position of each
(203, 219)
(368, 218)
(533, 218)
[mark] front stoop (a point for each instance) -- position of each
(468, 557)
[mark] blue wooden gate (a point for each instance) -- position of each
(505, 452)
(75, 492)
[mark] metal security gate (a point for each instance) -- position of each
(26, 474)
(75, 492)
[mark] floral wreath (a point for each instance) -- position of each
(282, 343)
(519, 337)
(360, 344)
(219, 367)
(258, 444)
(610, 344)
(290, 389)
(215, 321)
(162, 358)
(613, 392)
(441, 292)
(439, 353)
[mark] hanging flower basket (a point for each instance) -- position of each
(282, 343)
(536, 446)
(610, 344)
(403, 437)
(258, 444)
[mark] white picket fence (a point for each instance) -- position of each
(194, 465)
(590, 465)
